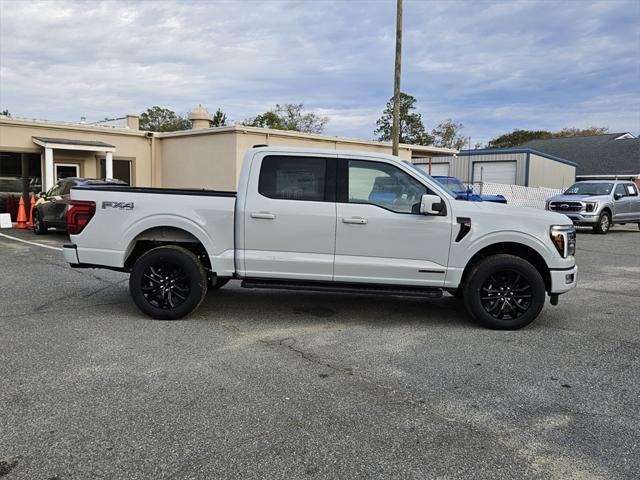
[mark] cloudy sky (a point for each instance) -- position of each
(494, 66)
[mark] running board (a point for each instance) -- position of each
(337, 287)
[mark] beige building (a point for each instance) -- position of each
(41, 152)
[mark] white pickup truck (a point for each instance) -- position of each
(328, 220)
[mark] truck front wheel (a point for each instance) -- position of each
(168, 282)
(604, 223)
(504, 292)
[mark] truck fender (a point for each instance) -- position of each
(170, 221)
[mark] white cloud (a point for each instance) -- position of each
(493, 66)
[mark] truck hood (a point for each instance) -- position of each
(510, 217)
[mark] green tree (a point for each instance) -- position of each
(5, 112)
(580, 132)
(518, 137)
(411, 127)
(289, 116)
(268, 119)
(447, 135)
(158, 119)
(219, 119)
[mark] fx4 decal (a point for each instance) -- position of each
(118, 205)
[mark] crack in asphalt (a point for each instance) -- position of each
(290, 343)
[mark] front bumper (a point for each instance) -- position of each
(70, 253)
(581, 218)
(563, 280)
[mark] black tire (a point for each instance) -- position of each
(604, 223)
(168, 282)
(504, 292)
(219, 283)
(39, 227)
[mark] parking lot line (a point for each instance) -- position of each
(30, 243)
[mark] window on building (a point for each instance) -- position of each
(293, 178)
(384, 185)
(121, 170)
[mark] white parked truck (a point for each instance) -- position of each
(329, 220)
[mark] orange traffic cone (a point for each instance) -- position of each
(22, 216)
(32, 205)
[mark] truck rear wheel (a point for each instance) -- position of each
(504, 292)
(168, 282)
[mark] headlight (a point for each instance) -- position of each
(564, 238)
(591, 206)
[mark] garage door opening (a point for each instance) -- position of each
(437, 169)
(495, 172)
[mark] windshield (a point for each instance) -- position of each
(453, 184)
(426, 175)
(586, 188)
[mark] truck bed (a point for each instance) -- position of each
(125, 214)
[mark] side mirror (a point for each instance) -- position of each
(617, 196)
(431, 205)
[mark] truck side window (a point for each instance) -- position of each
(620, 190)
(55, 190)
(293, 178)
(632, 190)
(384, 185)
(65, 188)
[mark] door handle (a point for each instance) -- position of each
(263, 215)
(355, 220)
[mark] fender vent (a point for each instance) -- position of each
(465, 227)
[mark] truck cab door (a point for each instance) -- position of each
(381, 237)
(289, 218)
(50, 206)
(621, 203)
(633, 202)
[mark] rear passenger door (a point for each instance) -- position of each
(620, 203)
(632, 207)
(290, 217)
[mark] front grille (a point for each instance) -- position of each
(565, 206)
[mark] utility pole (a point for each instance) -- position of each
(395, 132)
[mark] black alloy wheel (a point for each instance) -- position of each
(165, 285)
(506, 295)
(168, 282)
(504, 292)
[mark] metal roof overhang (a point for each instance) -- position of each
(71, 144)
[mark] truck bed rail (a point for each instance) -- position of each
(164, 191)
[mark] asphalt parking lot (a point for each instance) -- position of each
(273, 384)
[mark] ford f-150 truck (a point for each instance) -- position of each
(326, 220)
(599, 204)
